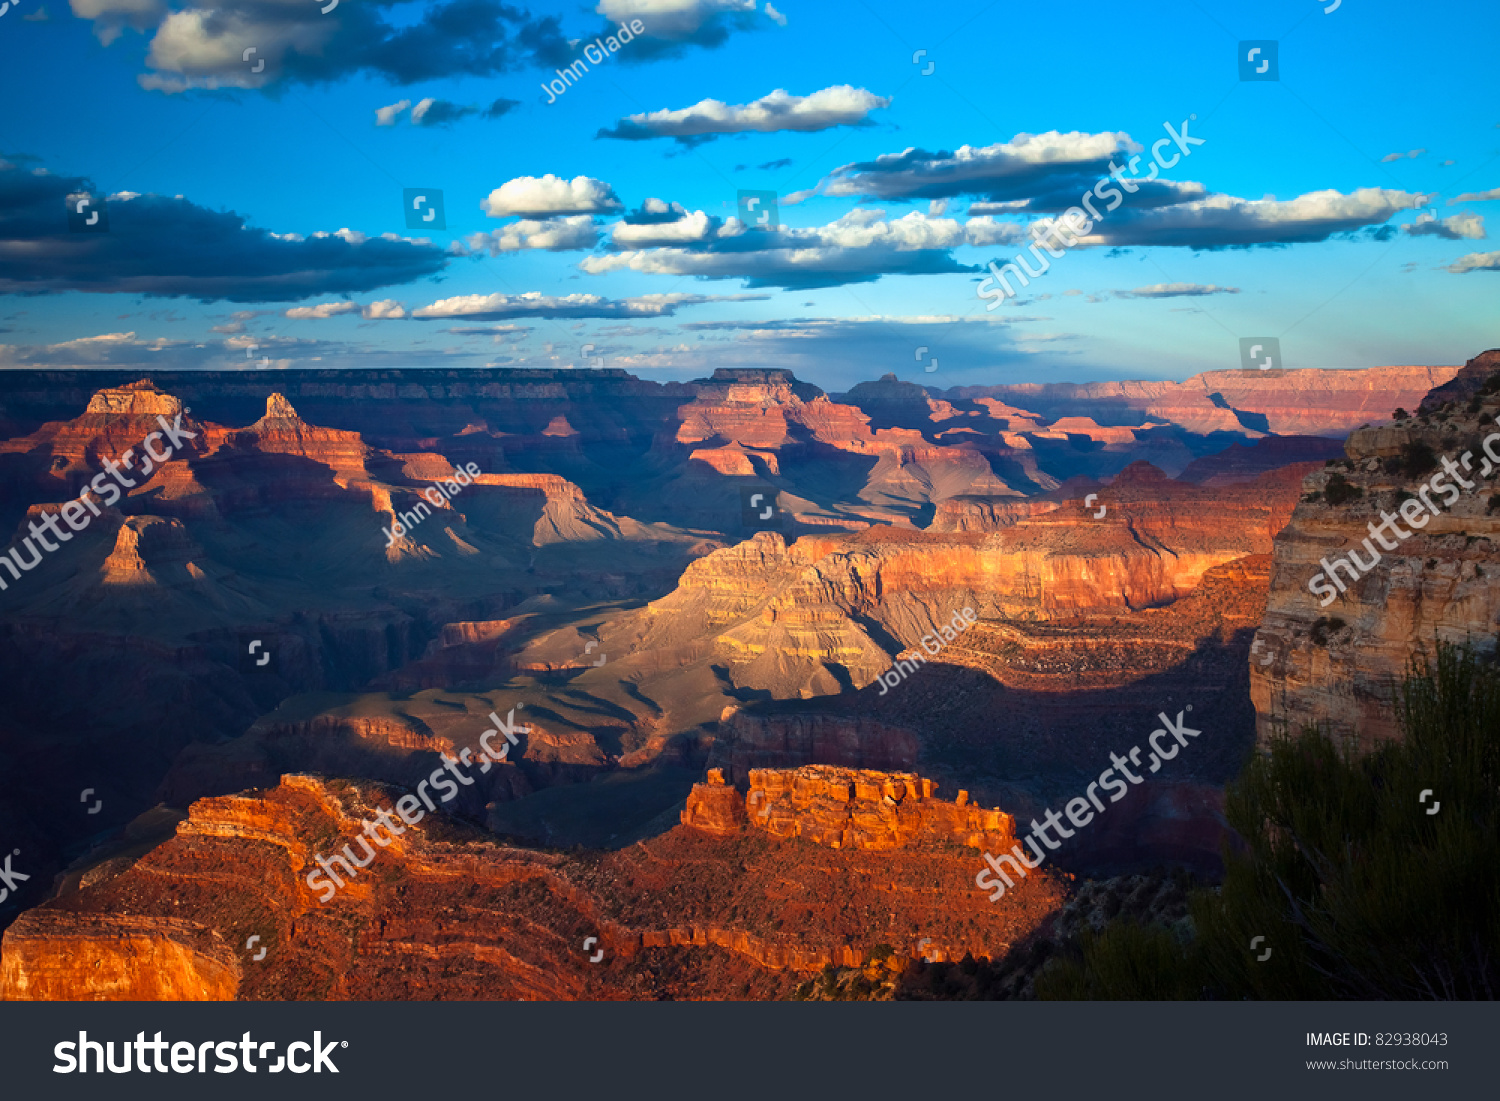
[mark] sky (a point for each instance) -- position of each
(257, 166)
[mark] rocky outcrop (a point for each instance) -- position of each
(51, 956)
(1337, 637)
(441, 911)
(846, 808)
(715, 808)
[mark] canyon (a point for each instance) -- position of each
(711, 782)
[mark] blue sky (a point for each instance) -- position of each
(1325, 208)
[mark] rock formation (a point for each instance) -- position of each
(1333, 657)
(846, 808)
(444, 912)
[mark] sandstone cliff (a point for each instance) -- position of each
(1333, 657)
(445, 912)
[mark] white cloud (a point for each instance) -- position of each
(554, 235)
(322, 311)
(387, 309)
(1220, 221)
(386, 116)
(1176, 290)
(671, 19)
(549, 195)
(1410, 154)
(840, 105)
(1466, 225)
(775, 16)
(1014, 168)
(1476, 261)
(696, 226)
(535, 304)
(859, 247)
(1476, 196)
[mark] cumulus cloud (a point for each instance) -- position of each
(322, 311)
(1459, 227)
(1476, 261)
(858, 248)
(671, 26)
(112, 17)
(840, 105)
(1176, 290)
(1024, 167)
(501, 107)
(203, 45)
(387, 309)
(1224, 221)
(550, 196)
(171, 247)
(654, 211)
(535, 304)
(1411, 154)
(553, 235)
(1476, 196)
(696, 226)
(775, 16)
(387, 116)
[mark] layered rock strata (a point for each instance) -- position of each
(1336, 639)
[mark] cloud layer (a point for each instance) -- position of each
(841, 105)
(171, 247)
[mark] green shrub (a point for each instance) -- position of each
(1339, 491)
(1417, 459)
(1359, 891)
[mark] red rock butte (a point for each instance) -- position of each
(845, 808)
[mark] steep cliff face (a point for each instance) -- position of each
(808, 618)
(50, 956)
(747, 742)
(1354, 596)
